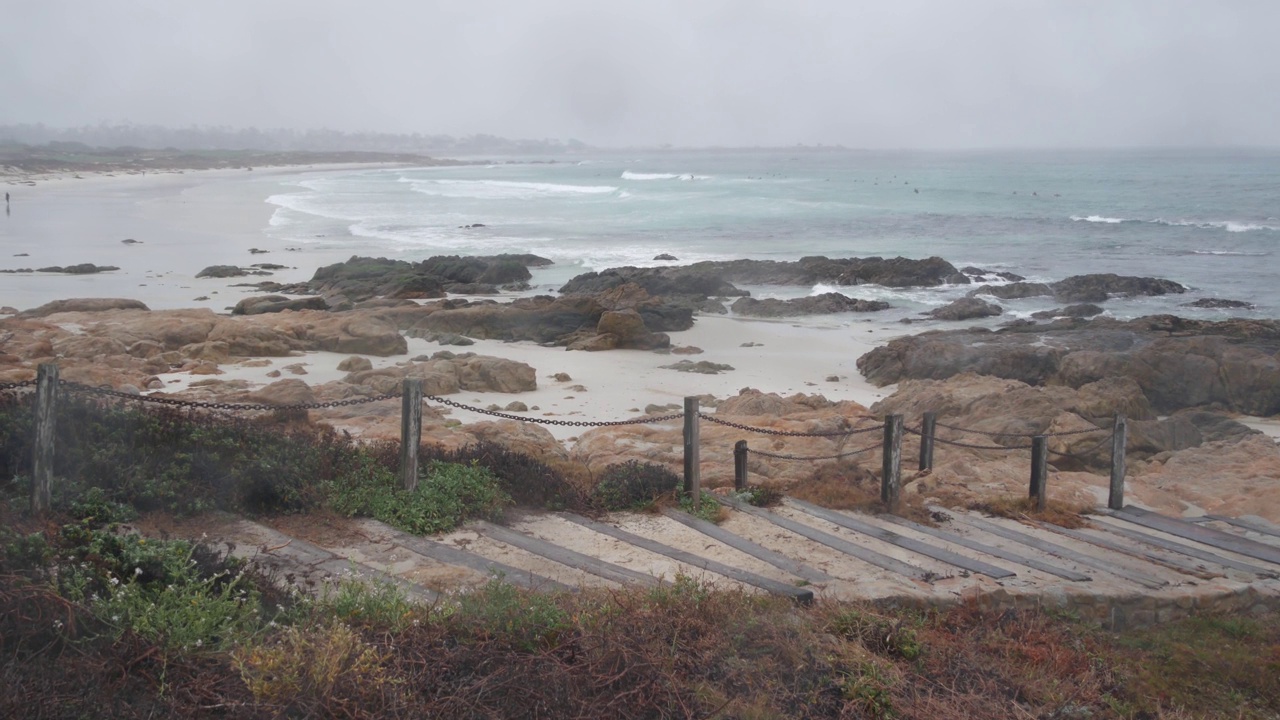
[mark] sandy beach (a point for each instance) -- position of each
(184, 222)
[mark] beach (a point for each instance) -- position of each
(187, 221)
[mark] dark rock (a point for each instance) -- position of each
(472, 289)
(81, 269)
(269, 266)
(666, 256)
(966, 308)
(256, 251)
(825, 303)
(703, 367)
(1178, 363)
(987, 275)
(277, 303)
(228, 271)
(1084, 310)
(1097, 288)
(131, 241)
(362, 278)
(1219, 303)
(1013, 291)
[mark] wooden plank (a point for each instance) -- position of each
(563, 555)
(1066, 553)
(893, 538)
(306, 553)
(1200, 534)
(1257, 527)
(991, 550)
(451, 555)
(757, 551)
(743, 576)
(1188, 550)
(836, 543)
(1183, 566)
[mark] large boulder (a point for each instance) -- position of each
(967, 308)
(277, 303)
(83, 305)
(354, 333)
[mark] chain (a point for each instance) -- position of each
(1021, 435)
(545, 421)
(248, 407)
(788, 433)
(778, 456)
(982, 447)
(16, 385)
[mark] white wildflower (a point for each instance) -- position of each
(137, 571)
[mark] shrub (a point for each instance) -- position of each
(634, 484)
(528, 480)
(500, 611)
(447, 495)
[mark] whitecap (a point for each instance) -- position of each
(504, 189)
(628, 175)
(1098, 219)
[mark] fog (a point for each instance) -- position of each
(907, 73)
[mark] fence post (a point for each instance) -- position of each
(1039, 469)
(410, 431)
(1119, 437)
(692, 481)
(46, 424)
(927, 427)
(891, 477)
(740, 465)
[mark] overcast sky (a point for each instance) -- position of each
(888, 73)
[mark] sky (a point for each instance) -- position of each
(883, 74)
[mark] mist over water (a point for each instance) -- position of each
(1205, 219)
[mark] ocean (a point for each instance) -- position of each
(1207, 219)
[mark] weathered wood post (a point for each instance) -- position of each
(740, 465)
(928, 426)
(1119, 438)
(46, 423)
(891, 477)
(692, 479)
(1039, 469)
(410, 431)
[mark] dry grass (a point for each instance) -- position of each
(848, 486)
(1056, 512)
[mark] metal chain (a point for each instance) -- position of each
(982, 447)
(1021, 435)
(779, 456)
(546, 421)
(16, 385)
(789, 433)
(248, 407)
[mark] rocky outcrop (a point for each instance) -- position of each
(277, 303)
(362, 278)
(1082, 310)
(1219, 304)
(1094, 288)
(83, 305)
(446, 373)
(229, 271)
(1178, 363)
(823, 304)
(967, 308)
(81, 269)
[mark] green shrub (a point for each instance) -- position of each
(634, 484)
(357, 601)
(526, 479)
(447, 495)
(500, 611)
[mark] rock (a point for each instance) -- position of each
(131, 241)
(355, 363)
(250, 340)
(1083, 310)
(362, 278)
(666, 257)
(594, 343)
(825, 303)
(561, 377)
(351, 333)
(1178, 363)
(629, 330)
(283, 392)
(277, 303)
(1219, 303)
(81, 269)
(833, 378)
(228, 271)
(982, 275)
(1099, 287)
(516, 406)
(702, 367)
(447, 338)
(1013, 291)
(966, 308)
(83, 305)
(443, 376)
(686, 350)
(296, 368)
(270, 266)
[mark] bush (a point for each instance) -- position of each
(447, 495)
(526, 479)
(634, 484)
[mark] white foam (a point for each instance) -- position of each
(503, 189)
(628, 175)
(1098, 219)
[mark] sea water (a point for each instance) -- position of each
(1207, 219)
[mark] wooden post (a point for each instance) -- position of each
(927, 428)
(1039, 469)
(740, 465)
(46, 424)
(891, 478)
(1119, 438)
(692, 480)
(410, 431)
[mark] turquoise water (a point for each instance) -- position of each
(1209, 220)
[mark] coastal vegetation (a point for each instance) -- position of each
(97, 618)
